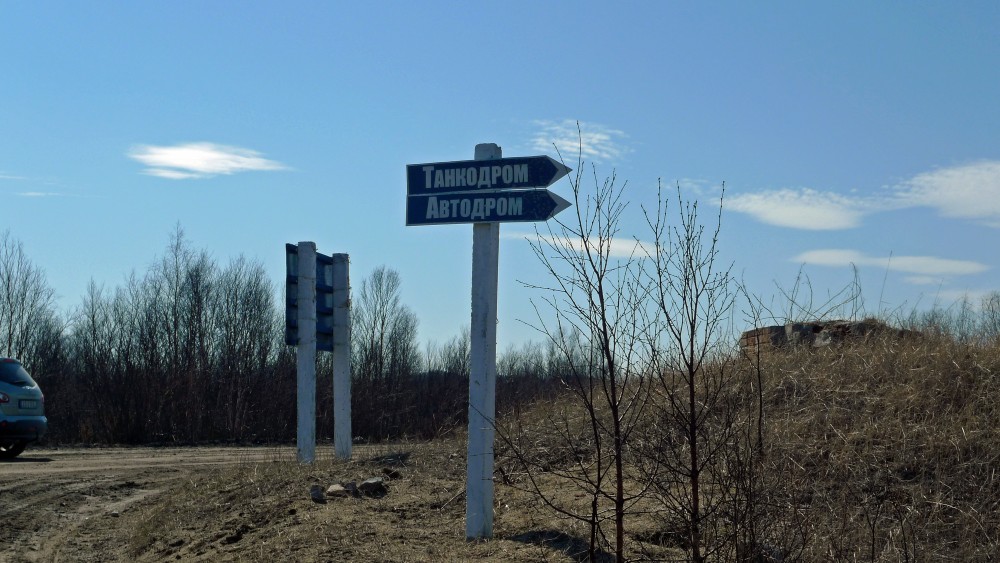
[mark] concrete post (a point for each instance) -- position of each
(482, 380)
(341, 356)
(305, 354)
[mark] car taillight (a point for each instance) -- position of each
(4, 398)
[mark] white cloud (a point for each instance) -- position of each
(924, 268)
(594, 142)
(973, 296)
(929, 265)
(618, 248)
(831, 257)
(922, 280)
(802, 208)
(4, 176)
(199, 160)
(970, 191)
(39, 194)
(623, 248)
(171, 174)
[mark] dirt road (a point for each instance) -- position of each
(64, 504)
(211, 504)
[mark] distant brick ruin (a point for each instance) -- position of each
(815, 334)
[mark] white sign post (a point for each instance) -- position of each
(305, 354)
(318, 317)
(482, 379)
(486, 191)
(341, 356)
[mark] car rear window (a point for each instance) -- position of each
(14, 374)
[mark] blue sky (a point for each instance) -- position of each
(847, 133)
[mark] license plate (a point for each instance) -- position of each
(28, 404)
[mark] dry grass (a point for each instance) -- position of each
(263, 512)
(888, 449)
(885, 450)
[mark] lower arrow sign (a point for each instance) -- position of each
(480, 207)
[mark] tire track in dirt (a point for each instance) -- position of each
(95, 521)
(48, 516)
(64, 505)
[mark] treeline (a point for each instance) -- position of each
(192, 351)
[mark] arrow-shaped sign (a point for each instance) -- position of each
(520, 173)
(483, 207)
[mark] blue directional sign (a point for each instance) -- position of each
(527, 172)
(483, 207)
(324, 298)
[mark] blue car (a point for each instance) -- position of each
(22, 409)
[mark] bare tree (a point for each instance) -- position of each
(695, 422)
(528, 361)
(384, 355)
(244, 330)
(106, 362)
(27, 303)
(990, 324)
(185, 279)
(176, 354)
(593, 325)
(384, 329)
(454, 355)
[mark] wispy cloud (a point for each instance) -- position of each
(970, 191)
(803, 208)
(618, 247)
(199, 160)
(33, 187)
(922, 280)
(593, 141)
(974, 297)
(925, 269)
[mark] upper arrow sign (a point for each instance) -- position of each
(520, 173)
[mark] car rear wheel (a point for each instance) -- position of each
(11, 448)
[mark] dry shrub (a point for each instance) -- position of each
(547, 435)
(879, 449)
(547, 451)
(890, 445)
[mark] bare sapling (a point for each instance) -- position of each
(591, 322)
